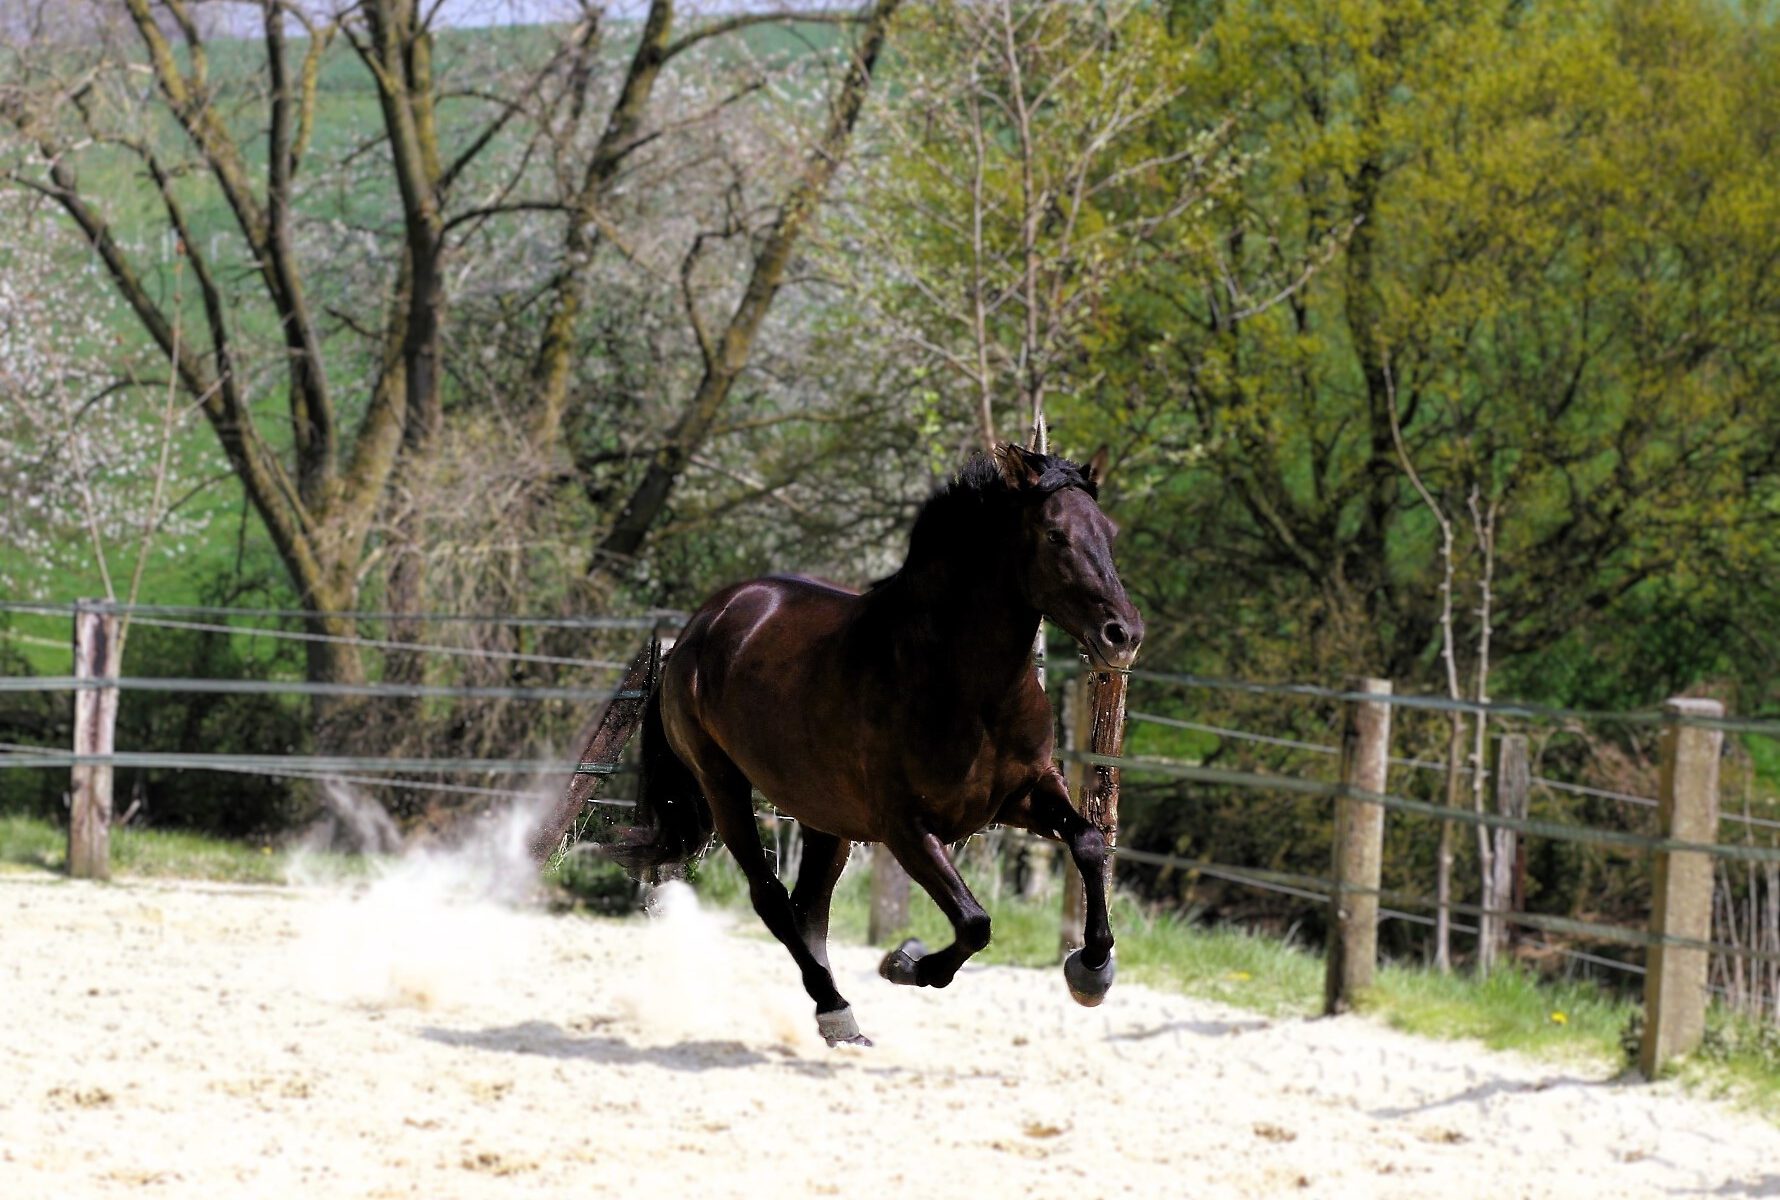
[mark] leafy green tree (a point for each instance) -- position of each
(1551, 278)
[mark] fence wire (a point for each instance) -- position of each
(653, 619)
(296, 635)
(1321, 748)
(1319, 890)
(1530, 825)
(295, 687)
(1521, 710)
(36, 757)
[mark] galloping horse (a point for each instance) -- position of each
(909, 714)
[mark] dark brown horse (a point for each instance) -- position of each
(909, 714)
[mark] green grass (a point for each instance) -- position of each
(1509, 1010)
(30, 844)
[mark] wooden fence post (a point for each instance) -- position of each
(1359, 847)
(1687, 810)
(1106, 736)
(1510, 782)
(889, 897)
(96, 655)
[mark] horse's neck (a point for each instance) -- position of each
(962, 627)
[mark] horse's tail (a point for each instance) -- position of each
(673, 817)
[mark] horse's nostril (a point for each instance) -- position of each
(1115, 634)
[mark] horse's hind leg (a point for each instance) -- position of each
(924, 857)
(732, 809)
(824, 858)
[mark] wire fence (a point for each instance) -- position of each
(430, 648)
(1321, 890)
(1465, 771)
(1494, 709)
(402, 772)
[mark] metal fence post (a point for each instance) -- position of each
(1359, 847)
(1687, 810)
(96, 654)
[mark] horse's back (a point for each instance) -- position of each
(775, 622)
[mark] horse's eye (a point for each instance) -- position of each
(1057, 537)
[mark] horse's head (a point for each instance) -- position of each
(1066, 552)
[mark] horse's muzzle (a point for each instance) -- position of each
(1113, 645)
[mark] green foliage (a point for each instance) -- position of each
(1530, 231)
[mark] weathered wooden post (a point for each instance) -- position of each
(1106, 736)
(1687, 811)
(1510, 782)
(1359, 847)
(889, 897)
(97, 651)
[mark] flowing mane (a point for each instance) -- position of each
(979, 501)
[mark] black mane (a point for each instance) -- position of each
(978, 504)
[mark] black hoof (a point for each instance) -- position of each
(901, 964)
(838, 1028)
(1088, 985)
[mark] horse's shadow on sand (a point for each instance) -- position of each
(1766, 1185)
(547, 1040)
(1483, 1092)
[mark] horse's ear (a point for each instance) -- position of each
(1096, 469)
(1020, 468)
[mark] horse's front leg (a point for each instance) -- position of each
(1046, 810)
(924, 857)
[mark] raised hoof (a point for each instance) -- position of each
(838, 1028)
(1087, 985)
(900, 965)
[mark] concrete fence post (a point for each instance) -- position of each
(96, 656)
(1359, 847)
(1687, 811)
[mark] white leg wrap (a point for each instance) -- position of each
(837, 1026)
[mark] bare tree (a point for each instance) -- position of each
(365, 389)
(1009, 158)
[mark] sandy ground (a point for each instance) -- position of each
(184, 1040)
